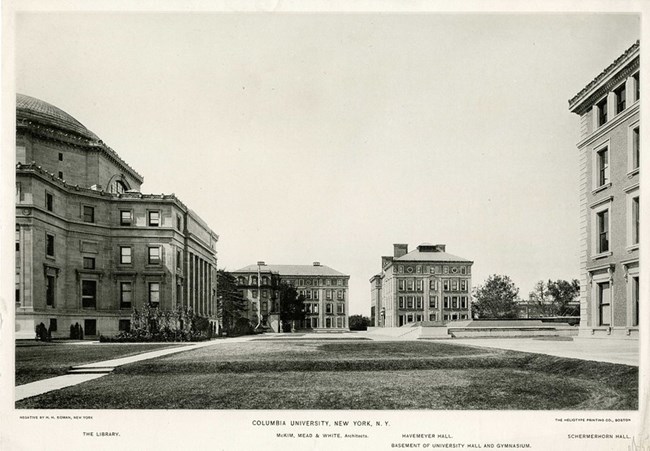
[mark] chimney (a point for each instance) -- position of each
(400, 250)
(316, 263)
(440, 247)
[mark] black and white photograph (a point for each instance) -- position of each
(305, 226)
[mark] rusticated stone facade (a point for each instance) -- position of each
(609, 199)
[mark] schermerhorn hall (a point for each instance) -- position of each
(90, 246)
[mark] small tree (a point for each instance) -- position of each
(231, 304)
(564, 294)
(358, 322)
(497, 298)
(291, 307)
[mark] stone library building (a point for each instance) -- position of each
(90, 246)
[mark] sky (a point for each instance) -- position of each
(328, 137)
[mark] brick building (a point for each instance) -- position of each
(325, 291)
(90, 246)
(609, 199)
(427, 284)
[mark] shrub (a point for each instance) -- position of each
(150, 324)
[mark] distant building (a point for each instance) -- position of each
(325, 291)
(426, 284)
(89, 246)
(609, 199)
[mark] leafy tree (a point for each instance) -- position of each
(564, 293)
(540, 303)
(358, 322)
(555, 298)
(291, 307)
(231, 304)
(497, 298)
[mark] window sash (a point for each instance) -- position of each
(126, 291)
(154, 256)
(125, 217)
(154, 293)
(125, 255)
(89, 214)
(154, 219)
(603, 167)
(88, 293)
(603, 231)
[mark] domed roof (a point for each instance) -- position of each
(35, 110)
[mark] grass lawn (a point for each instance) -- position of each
(37, 360)
(315, 374)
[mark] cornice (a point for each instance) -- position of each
(49, 134)
(600, 84)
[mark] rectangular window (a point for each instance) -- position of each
(124, 325)
(61, 175)
(445, 284)
(126, 293)
(636, 146)
(602, 158)
(463, 302)
(125, 255)
(601, 108)
(432, 316)
(402, 284)
(315, 310)
(254, 293)
(179, 223)
(328, 294)
(179, 259)
(328, 308)
(445, 302)
(154, 218)
(418, 302)
(635, 220)
(49, 202)
(454, 284)
(89, 293)
(49, 245)
(463, 270)
(637, 87)
(620, 98)
(339, 295)
(89, 262)
(635, 301)
(454, 302)
(463, 285)
(418, 285)
(154, 255)
(90, 327)
(432, 285)
(126, 217)
(409, 301)
(53, 325)
(433, 301)
(60, 156)
(154, 294)
(604, 313)
(88, 214)
(401, 302)
(340, 308)
(409, 285)
(603, 231)
(50, 290)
